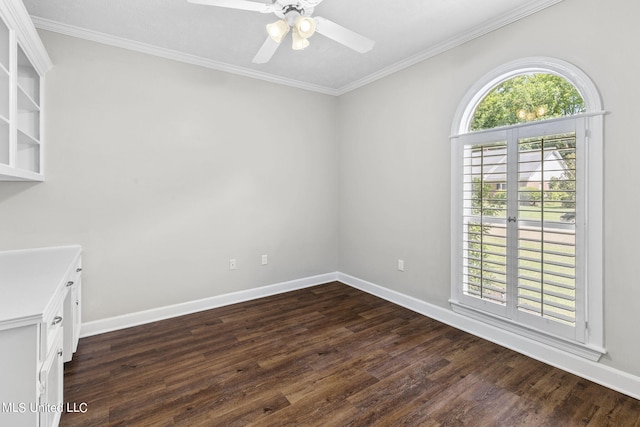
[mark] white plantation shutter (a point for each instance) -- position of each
(521, 214)
(484, 222)
(546, 231)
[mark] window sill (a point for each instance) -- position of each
(586, 351)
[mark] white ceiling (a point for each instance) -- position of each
(405, 31)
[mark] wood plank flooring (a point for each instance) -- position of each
(328, 355)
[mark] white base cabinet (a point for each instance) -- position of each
(39, 330)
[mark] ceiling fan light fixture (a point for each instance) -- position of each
(295, 16)
(278, 30)
(306, 26)
(299, 43)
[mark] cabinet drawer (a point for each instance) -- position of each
(75, 274)
(51, 326)
(59, 317)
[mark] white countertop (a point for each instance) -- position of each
(30, 279)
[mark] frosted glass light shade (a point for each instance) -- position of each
(306, 26)
(278, 30)
(299, 43)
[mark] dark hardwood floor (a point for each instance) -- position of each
(328, 355)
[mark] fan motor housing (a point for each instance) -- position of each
(291, 9)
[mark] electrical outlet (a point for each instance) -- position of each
(232, 264)
(400, 265)
(265, 261)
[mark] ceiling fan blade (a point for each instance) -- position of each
(267, 50)
(342, 35)
(237, 4)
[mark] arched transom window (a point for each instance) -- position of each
(525, 98)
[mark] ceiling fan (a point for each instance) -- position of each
(294, 16)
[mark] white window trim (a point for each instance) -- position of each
(593, 347)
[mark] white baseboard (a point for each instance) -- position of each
(597, 372)
(147, 316)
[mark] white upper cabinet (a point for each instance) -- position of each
(23, 64)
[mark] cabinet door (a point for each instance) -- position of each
(77, 312)
(19, 380)
(72, 317)
(51, 387)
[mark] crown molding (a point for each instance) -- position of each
(473, 33)
(107, 39)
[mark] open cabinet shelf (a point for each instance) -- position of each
(23, 63)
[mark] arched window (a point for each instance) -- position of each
(527, 204)
(525, 98)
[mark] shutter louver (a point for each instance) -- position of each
(485, 255)
(546, 283)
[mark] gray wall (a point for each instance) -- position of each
(395, 157)
(164, 171)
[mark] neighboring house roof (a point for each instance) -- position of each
(492, 164)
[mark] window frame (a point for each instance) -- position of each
(589, 126)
